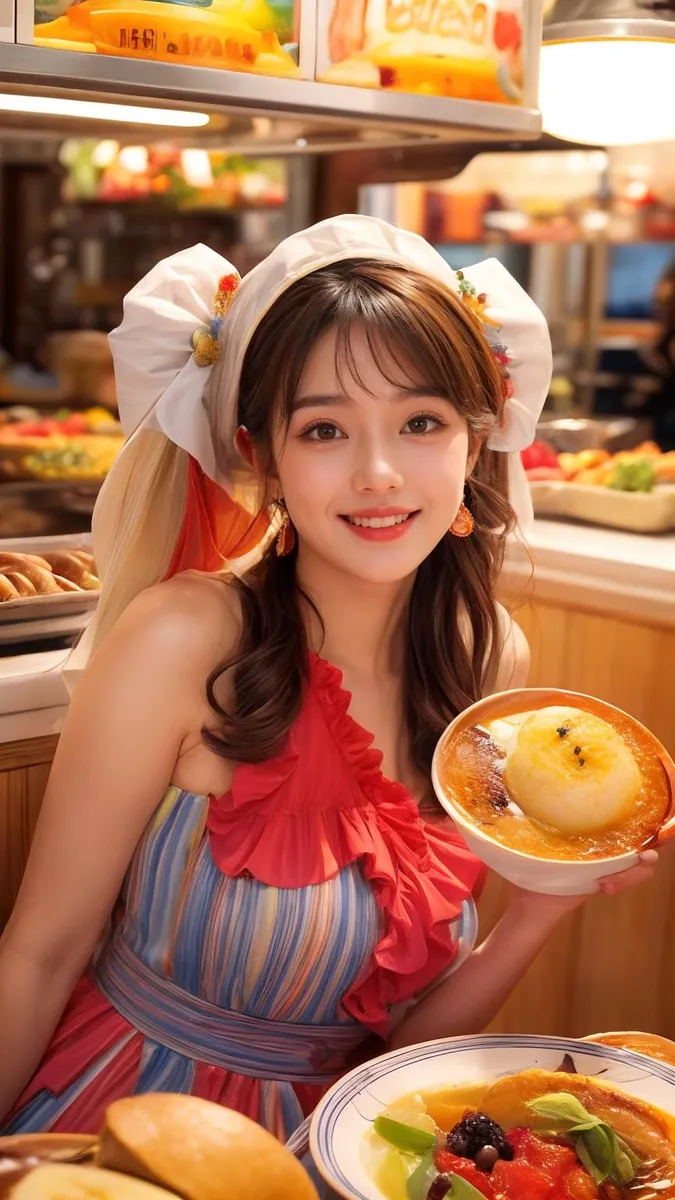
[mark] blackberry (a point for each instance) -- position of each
(476, 1132)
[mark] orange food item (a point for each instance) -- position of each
(595, 476)
(665, 467)
(470, 771)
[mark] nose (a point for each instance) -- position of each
(376, 469)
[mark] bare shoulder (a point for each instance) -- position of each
(188, 623)
(513, 664)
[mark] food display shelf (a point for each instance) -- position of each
(257, 114)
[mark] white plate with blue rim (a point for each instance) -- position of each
(348, 1110)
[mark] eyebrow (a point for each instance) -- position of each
(342, 400)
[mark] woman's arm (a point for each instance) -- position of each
(471, 998)
(116, 756)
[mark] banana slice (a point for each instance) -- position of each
(571, 770)
(68, 1182)
(200, 1150)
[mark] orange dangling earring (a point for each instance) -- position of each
(463, 523)
(286, 536)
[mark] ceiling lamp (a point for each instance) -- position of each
(608, 71)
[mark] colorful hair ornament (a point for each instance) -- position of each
(206, 341)
(477, 304)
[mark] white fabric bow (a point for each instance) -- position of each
(160, 386)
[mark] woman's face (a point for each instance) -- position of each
(372, 473)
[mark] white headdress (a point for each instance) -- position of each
(171, 335)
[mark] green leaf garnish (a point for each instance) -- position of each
(604, 1155)
(418, 1184)
(404, 1137)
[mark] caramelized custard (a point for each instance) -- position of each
(471, 773)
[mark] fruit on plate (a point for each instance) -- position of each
(541, 462)
(63, 422)
(632, 475)
(638, 470)
(86, 458)
(199, 1150)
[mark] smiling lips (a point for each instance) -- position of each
(380, 524)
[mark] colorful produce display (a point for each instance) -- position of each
(69, 446)
(638, 470)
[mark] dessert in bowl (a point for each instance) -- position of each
(554, 790)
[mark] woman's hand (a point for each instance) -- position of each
(550, 909)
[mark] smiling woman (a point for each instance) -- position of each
(280, 883)
(368, 392)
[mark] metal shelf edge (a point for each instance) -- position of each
(40, 69)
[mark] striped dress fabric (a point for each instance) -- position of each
(260, 937)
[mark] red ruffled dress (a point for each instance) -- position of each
(261, 936)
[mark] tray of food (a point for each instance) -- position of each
(77, 447)
(42, 579)
(632, 490)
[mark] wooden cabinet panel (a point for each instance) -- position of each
(24, 770)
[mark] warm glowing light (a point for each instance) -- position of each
(636, 190)
(134, 159)
(132, 114)
(196, 167)
(612, 92)
(105, 154)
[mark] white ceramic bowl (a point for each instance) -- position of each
(558, 877)
(348, 1109)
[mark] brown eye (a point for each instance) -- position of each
(423, 424)
(324, 431)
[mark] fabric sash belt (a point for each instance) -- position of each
(251, 1046)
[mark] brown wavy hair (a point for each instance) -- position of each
(453, 638)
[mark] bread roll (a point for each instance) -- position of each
(13, 561)
(86, 559)
(66, 585)
(7, 590)
(42, 579)
(89, 583)
(66, 564)
(62, 1182)
(23, 585)
(200, 1150)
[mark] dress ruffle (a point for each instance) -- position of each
(291, 825)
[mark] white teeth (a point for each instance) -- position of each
(378, 522)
